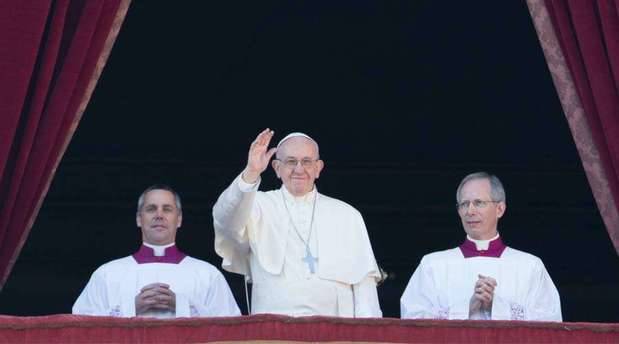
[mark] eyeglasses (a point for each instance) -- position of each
(292, 163)
(477, 203)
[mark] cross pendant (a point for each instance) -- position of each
(309, 259)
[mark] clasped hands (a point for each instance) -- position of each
(155, 296)
(483, 295)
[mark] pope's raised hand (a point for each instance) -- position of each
(259, 156)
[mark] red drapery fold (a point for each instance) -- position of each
(580, 40)
(51, 56)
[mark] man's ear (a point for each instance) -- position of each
(180, 220)
(276, 165)
(319, 166)
(138, 220)
(500, 209)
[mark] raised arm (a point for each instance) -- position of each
(258, 157)
(233, 208)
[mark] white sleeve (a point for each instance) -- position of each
(543, 302)
(420, 300)
(94, 299)
(219, 300)
(183, 307)
(366, 299)
(231, 213)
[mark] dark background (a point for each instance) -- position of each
(405, 98)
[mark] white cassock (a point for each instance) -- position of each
(260, 236)
(442, 285)
(201, 290)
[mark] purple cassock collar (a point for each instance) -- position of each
(147, 255)
(495, 249)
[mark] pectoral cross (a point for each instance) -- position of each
(309, 259)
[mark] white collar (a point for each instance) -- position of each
(158, 250)
(307, 198)
(482, 244)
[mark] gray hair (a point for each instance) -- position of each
(497, 192)
(177, 197)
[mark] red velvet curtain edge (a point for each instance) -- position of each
(13, 92)
(595, 162)
(58, 152)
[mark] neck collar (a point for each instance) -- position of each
(158, 250)
(482, 244)
(307, 198)
(494, 248)
(146, 254)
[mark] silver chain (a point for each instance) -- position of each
(306, 242)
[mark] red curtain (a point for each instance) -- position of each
(51, 55)
(580, 40)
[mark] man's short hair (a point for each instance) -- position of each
(177, 197)
(497, 192)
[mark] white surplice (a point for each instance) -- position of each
(200, 289)
(258, 237)
(442, 285)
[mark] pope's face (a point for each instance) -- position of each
(159, 218)
(298, 178)
(479, 222)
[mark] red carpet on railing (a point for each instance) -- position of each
(269, 328)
